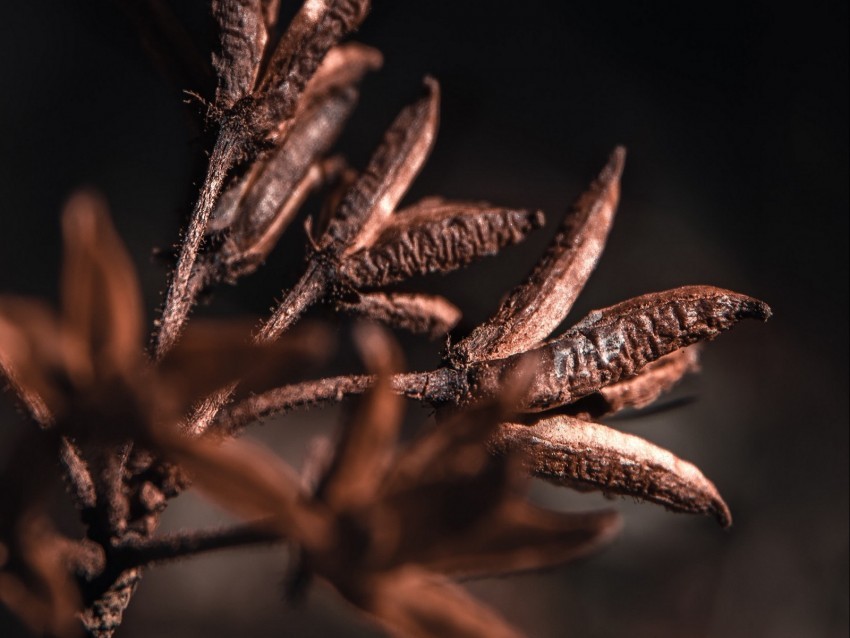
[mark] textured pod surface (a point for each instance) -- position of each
(242, 38)
(376, 193)
(317, 27)
(445, 239)
(616, 343)
(331, 94)
(343, 66)
(259, 209)
(574, 452)
(536, 307)
(421, 314)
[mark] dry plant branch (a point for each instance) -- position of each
(388, 526)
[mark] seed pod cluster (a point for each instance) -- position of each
(388, 525)
(366, 244)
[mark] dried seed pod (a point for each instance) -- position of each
(574, 452)
(617, 342)
(535, 308)
(262, 205)
(266, 211)
(655, 379)
(437, 238)
(266, 197)
(242, 38)
(420, 314)
(317, 27)
(378, 190)
(344, 66)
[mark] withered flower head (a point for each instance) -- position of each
(260, 100)
(84, 378)
(255, 210)
(615, 358)
(85, 368)
(388, 529)
(364, 243)
(625, 355)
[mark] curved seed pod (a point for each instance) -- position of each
(243, 257)
(318, 26)
(535, 308)
(617, 342)
(655, 379)
(242, 38)
(260, 205)
(343, 66)
(578, 453)
(376, 193)
(268, 204)
(323, 110)
(421, 314)
(641, 390)
(441, 239)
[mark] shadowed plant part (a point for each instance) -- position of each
(102, 405)
(387, 528)
(366, 243)
(388, 525)
(618, 357)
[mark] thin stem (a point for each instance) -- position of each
(77, 476)
(184, 544)
(181, 295)
(75, 471)
(310, 288)
(436, 387)
(112, 506)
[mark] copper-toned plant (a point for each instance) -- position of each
(388, 525)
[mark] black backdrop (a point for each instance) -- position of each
(735, 118)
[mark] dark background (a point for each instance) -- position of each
(735, 118)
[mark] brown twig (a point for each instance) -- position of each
(183, 544)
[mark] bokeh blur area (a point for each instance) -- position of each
(735, 120)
